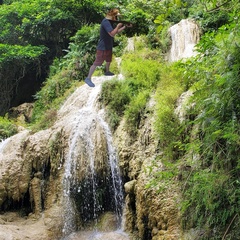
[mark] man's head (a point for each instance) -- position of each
(111, 10)
(113, 13)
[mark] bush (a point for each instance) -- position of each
(7, 128)
(115, 96)
(211, 195)
(135, 111)
(128, 98)
(82, 51)
(210, 202)
(48, 100)
(167, 125)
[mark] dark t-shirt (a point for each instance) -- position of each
(106, 41)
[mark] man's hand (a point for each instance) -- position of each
(119, 25)
(119, 28)
(128, 25)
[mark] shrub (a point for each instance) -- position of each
(167, 125)
(48, 100)
(135, 111)
(211, 202)
(7, 128)
(128, 98)
(115, 96)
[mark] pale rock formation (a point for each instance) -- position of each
(148, 214)
(184, 36)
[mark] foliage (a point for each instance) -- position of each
(144, 73)
(45, 22)
(7, 128)
(220, 105)
(163, 179)
(115, 95)
(135, 111)
(48, 100)
(161, 41)
(167, 125)
(211, 197)
(15, 62)
(171, 12)
(20, 53)
(215, 198)
(208, 138)
(82, 49)
(29, 27)
(128, 98)
(140, 21)
(213, 14)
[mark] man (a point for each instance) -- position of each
(105, 44)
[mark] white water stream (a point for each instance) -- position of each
(185, 35)
(82, 145)
(3, 144)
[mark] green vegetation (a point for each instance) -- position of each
(32, 34)
(15, 61)
(128, 98)
(212, 187)
(7, 128)
(49, 99)
(167, 124)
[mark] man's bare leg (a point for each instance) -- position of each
(88, 80)
(107, 67)
(91, 71)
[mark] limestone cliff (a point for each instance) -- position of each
(149, 215)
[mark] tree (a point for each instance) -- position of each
(32, 23)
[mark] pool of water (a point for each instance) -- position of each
(89, 235)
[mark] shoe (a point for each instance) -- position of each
(89, 82)
(109, 74)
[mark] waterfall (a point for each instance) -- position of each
(3, 144)
(115, 171)
(92, 182)
(184, 36)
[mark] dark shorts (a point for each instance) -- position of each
(101, 56)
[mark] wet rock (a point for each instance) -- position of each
(107, 222)
(129, 187)
(22, 113)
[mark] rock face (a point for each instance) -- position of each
(27, 183)
(148, 214)
(22, 113)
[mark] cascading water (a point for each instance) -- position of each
(90, 176)
(116, 189)
(3, 143)
(2, 146)
(92, 183)
(185, 35)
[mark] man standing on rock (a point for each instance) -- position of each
(105, 44)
